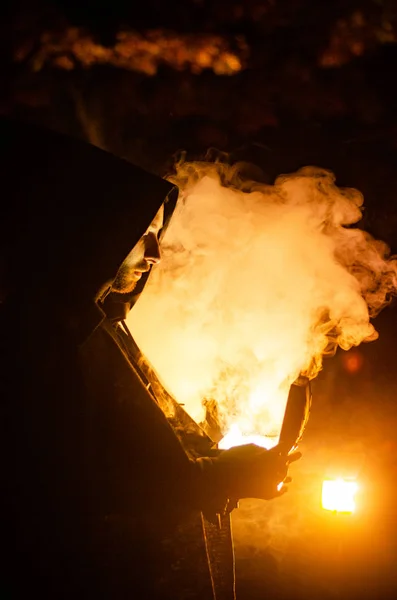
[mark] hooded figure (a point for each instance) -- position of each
(111, 490)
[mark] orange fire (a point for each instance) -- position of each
(235, 437)
(256, 285)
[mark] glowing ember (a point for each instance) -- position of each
(256, 285)
(339, 495)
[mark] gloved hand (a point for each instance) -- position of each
(247, 471)
(250, 471)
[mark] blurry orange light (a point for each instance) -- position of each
(353, 362)
(339, 495)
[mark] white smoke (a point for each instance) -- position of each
(256, 284)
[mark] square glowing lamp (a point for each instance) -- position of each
(338, 495)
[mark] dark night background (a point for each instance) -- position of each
(282, 83)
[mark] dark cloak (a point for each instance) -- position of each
(102, 497)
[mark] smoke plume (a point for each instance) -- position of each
(257, 284)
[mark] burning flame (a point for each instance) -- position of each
(256, 285)
(339, 495)
(235, 437)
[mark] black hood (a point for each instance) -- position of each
(71, 213)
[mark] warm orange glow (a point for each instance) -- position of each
(144, 51)
(255, 285)
(339, 495)
(235, 437)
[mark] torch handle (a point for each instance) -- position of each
(296, 415)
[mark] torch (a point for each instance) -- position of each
(296, 416)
